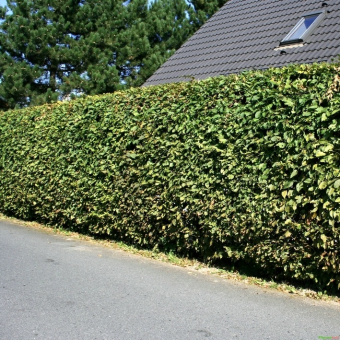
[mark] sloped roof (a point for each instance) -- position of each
(245, 34)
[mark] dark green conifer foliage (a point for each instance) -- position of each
(52, 49)
(202, 10)
(168, 25)
(55, 49)
(167, 28)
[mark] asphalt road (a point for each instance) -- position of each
(52, 287)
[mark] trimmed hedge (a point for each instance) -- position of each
(244, 167)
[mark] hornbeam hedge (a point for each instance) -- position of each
(244, 167)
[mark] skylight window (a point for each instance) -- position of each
(303, 28)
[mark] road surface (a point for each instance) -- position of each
(53, 287)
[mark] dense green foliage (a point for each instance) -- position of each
(242, 167)
(201, 10)
(52, 49)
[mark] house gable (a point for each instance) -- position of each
(246, 34)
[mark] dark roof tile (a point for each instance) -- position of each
(244, 35)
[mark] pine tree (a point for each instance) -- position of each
(202, 10)
(167, 27)
(52, 49)
(56, 49)
(170, 24)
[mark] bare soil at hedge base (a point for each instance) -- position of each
(191, 264)
(243, 168)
